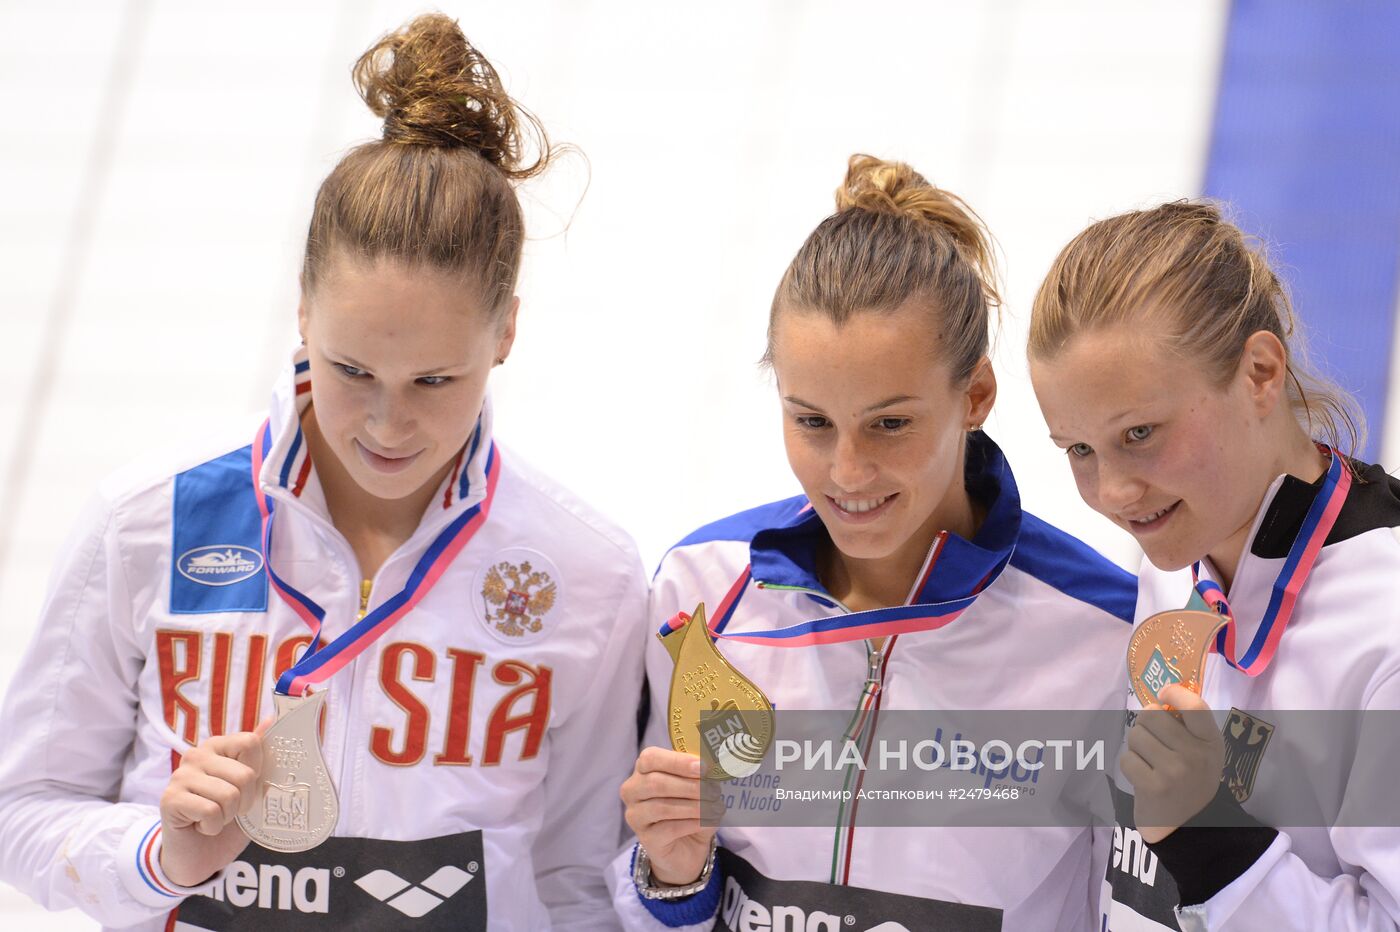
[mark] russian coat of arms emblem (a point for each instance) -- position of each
(517, 597)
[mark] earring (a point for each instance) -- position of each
(973, 428)
(500, 360)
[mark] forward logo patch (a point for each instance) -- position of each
(219, 565)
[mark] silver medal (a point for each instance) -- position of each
(297, 807)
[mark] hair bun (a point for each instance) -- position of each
(894, 188)
(434, 88)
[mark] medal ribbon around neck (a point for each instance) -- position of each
(320, 662)
(852, 626)
(1317, 524)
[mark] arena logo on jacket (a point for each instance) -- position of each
(1138, 880)
(751, 902)
(348, 883)
(518, 595)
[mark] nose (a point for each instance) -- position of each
(392, 421)
(852, 468)
(1119, 487)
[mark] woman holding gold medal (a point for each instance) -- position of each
(1162, 355)
(444, 754)
(904, 578)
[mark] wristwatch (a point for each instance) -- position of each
(654, 890)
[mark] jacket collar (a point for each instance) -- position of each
(785, 555)
(289, 475)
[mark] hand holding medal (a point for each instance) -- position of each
(1174, 752)
(215, 783)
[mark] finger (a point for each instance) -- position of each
(239, 746)
(247, 747)
(660, 760)
(231, 771)
(1135, 770)
(654, 811)
(1195, 714)
(1149, 748)
(239, 775)
(668, 833)
(264, 725)
(1164, 726)
(223, 794)
(656, 784)
(1181, 698)
(191, 810)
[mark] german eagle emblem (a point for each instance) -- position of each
(517, 598)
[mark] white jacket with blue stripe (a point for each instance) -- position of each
(1049, 630)
(476, 747)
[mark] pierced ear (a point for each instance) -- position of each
(1264, 369)
(981, 393)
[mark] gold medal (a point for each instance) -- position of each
(716, 713)
(1170, 647)
(297, 807)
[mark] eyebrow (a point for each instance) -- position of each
(349, 361)
(1115, 419)
(888, 402)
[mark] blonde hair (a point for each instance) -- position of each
(894, 238)
(1191, 271)
(437, 189)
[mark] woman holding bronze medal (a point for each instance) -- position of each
(1163, 356)
(901, 579)
(441, 628)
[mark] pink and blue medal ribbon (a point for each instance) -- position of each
(321, 661)
(1317, 524)
(854, 626)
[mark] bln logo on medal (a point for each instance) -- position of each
(220, 564)
(1159, 674)
(287, 806)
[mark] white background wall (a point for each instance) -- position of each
(158, 161)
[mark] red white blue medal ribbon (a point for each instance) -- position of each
(1317, 524)
(321, 661)
(854, 626)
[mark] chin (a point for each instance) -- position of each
(862, 546)
(388, 489)
(1170, 558)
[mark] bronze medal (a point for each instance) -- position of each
(1170, 647)
(716, 713)
(297, 807)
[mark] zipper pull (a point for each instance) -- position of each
(365, 585)
(868, 692)
(872, 678)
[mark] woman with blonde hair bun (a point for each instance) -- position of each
(442, 629)
(905, 577)
(1164, 354)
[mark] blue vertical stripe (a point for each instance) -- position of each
(1306, 144)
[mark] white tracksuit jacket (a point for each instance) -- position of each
(1340, 651)
(1050, 632)
(476, 747)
